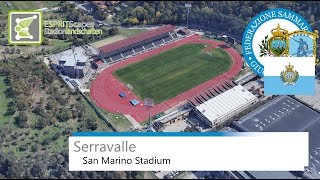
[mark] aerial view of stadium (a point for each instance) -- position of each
(173, 69)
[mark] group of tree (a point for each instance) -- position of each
(39, 101)
(51, 166)
(225, 16)
(28, 78)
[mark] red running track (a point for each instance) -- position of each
(105, 88)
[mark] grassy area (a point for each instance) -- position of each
(3, 102)
(27, 5)
(119, 122)
(131, 32)
(173, 72)
(123, 34)
(108, 41)
(102, 126)
(243, 72)
(239, 47)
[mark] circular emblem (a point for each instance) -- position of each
(267, 36)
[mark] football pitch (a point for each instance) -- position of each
(175, 71)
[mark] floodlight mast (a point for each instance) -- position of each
(149, 103)
(73, 47)
(188, 6)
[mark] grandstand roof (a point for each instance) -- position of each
(225, 103)
(134, 39)
(184, 30)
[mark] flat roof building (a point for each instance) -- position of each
(222, 107)
(73, 64)
(286, 114)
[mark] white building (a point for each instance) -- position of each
(73, 64)
(222, 107)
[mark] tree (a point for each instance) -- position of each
(22, 104)
(10, 111)
(158, 14)
(13, 50)
(37, 171)
(41, 101)
(91, 124)
(22, 120)
(41, 123)
(46, 141)
(80, 109)
(133, 21)
(7, 50)
(64, 114)
(46, 41)
(113, 31)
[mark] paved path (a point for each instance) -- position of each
(133, 121)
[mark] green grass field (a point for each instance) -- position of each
(108, 40)
(173, 72)
(27, 5)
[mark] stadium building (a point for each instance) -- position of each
(136, 44)
(282, 114)
(218, 104)
(73, 64)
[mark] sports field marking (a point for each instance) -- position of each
(175, 71)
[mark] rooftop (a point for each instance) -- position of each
(285, 114)
(70, 59)
(176, 127)
(226, 103)
(264, 175)
(137, 38)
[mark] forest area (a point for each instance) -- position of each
(38, 112)
(230, 17)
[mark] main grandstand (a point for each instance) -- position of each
(136, 44)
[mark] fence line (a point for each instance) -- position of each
(98, 112)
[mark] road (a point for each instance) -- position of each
(81, 6)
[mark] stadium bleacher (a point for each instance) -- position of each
(108, 59)
(168, 39)
(158, 42)
(124, 48)
(175, 36)
(116, 57)
(148, 46)
(138, 49)
(127, 53)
